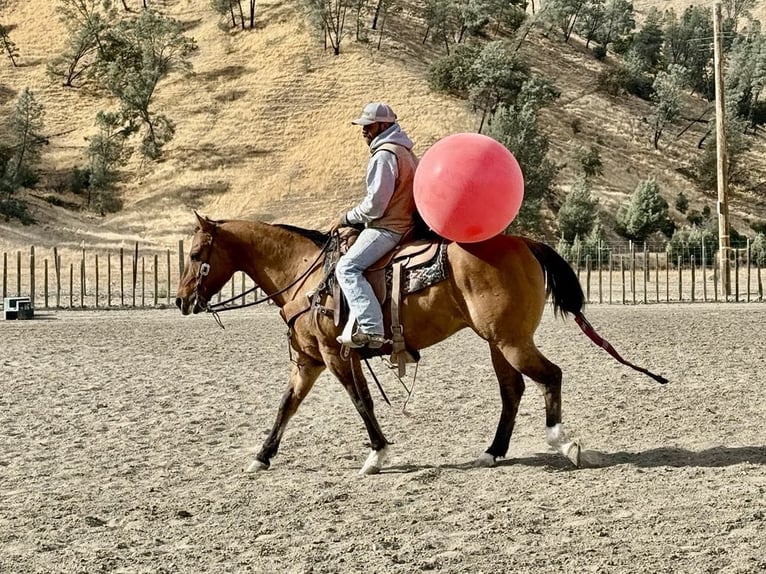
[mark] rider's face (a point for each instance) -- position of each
(371, 131)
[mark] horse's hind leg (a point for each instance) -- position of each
(532, 363)
(304, 373)
(349, 373)
(511, 390)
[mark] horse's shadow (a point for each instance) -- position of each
(675, 457)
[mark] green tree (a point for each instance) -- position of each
(592, 20)
(578, 212)
(746, 74)
(10, 48)
(329, 18)
(20, 151)
(85, 21)
(516, 128)
(107, 151)
(687, 44)
(666, 100)
(758, 249)
(735, 10)
(136, 55)
(647, 43)
(497, 77)
(682, 202)
(619, 22)
(439, 17)
(590, 161)
(688, 241)
(646, 213)
(737, 144)
(26, 139)
(455, 72)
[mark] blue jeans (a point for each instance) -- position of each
(372, 244)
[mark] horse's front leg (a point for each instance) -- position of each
(349, 373)
(304, 373)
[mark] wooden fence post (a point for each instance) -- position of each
(143, 282)
(667, 276)
(32, 275)
(71, 285)
(135, 273)
(633, 272)
(57, 270)
(82, 279)
(180, 259)
(600, 264)
(657, 277)
(168, 256)
(156, 278)
(5, 274)
(611, 266)
(736, 275)
(45, 288)
(716, 267)
(587, 278)
(747, 255)
(693, 265)
(646, 271)
(704, 272)
(96, 280)
(18, 274)
(108, 279)
(680, 280)
(122, 277)
(622, 273)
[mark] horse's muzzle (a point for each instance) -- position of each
(190, 305)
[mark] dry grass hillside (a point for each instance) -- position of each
(263, 125)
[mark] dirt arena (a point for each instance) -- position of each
(124, 435)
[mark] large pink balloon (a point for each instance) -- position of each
(468, 187)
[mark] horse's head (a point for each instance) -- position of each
(208, 268)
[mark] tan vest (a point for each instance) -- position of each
(398, 216)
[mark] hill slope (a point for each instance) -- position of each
(263, 125)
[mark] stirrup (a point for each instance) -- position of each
(361, 339)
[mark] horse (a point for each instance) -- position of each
(497, 287)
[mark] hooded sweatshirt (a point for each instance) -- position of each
(389, 202)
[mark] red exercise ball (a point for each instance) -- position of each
(468, 187)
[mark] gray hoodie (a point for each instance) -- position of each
(382, 172)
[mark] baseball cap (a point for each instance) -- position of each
(375, 112)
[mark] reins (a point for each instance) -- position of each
(226, 305)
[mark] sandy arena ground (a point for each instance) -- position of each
(124, 435)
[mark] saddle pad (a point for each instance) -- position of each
(424, 274)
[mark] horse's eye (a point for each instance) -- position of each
(194, 256)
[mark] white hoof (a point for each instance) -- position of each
(257, 466)
(375, 461)
(573, 451)
(485, 460)
(557, 438)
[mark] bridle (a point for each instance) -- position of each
(215, 308)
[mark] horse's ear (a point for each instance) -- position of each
(204, 223)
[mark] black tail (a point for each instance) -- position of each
(562, 283)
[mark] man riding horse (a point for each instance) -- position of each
(387, 213)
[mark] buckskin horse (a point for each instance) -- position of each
(496, 287)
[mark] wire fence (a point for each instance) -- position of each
(146, 278)
(664, 273)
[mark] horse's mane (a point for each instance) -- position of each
(318, 237)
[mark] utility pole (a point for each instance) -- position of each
(721, 157)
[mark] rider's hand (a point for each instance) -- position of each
(341, 221)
